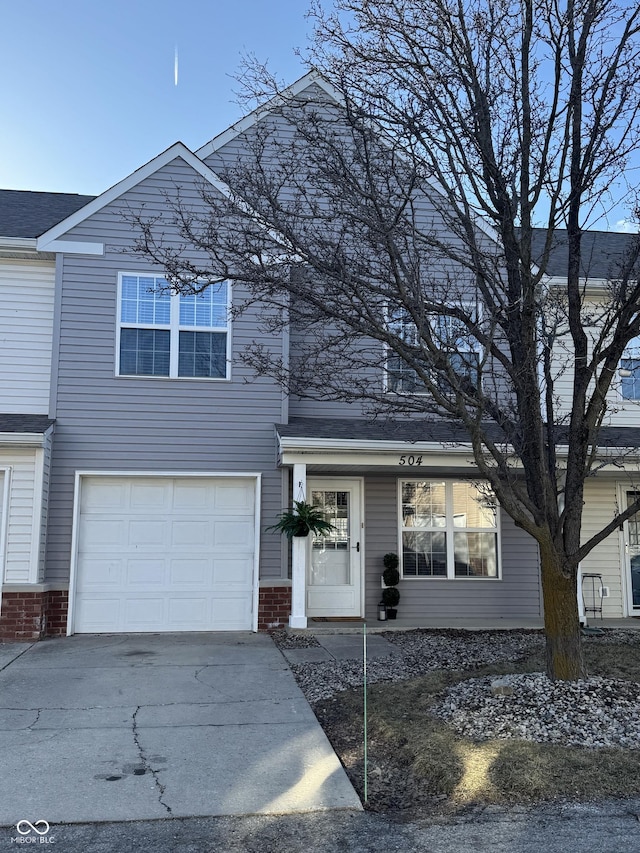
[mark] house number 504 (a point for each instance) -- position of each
(411, 460)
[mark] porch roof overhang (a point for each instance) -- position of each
(25, 430)
(371, 445)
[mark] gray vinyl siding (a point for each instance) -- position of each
(275, 134)
(109, 423)
(515, 595)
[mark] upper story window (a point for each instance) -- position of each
(168, 334)
(448, 529)
(451, 337)
(630, 371)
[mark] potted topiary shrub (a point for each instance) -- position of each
(300, 520)
(390, 579)
(390, 598)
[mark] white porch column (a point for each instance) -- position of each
(298, 618)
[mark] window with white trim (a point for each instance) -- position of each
(448, 529)
(171, 334)
(452, 337)
(629, 371)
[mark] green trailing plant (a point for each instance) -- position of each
(300, 520)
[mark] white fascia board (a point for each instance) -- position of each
(179, 150)
(75, 247)
(619, 456)
(248, 121)
(368, 445)
(313, 451)
(132, 180)
(597, 285)
(24, 244)
(25, 439)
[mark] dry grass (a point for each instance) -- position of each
(418, 764)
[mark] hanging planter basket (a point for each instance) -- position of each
(300, 520)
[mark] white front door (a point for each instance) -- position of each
(632, 550)
(335, 560)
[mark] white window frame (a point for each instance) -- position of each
(174, 328)
(631, 353)
(474, 347)
(449, 529)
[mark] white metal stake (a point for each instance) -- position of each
(364, 681)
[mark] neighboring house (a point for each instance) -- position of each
(27, 283)
(170, 458)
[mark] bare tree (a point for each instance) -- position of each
(404, 229)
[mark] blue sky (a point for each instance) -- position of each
(87, 90)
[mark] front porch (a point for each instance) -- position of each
(461, 557)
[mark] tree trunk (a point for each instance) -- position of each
(565, 660)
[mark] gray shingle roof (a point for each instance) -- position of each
(423, 430)
(30, 214)
(374, 430)
(602, 252)
(25, 423)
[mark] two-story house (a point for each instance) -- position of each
(158, 459)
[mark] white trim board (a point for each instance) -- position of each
(175, 151)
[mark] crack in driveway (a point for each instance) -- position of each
(143, 758)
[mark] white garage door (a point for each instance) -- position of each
(165, 554)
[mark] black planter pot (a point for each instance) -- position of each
(391, 613)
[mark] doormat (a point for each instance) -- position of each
(336, 619)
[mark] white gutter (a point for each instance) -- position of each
(356, 445)
(26, 439)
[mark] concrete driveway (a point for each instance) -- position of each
(110, 728)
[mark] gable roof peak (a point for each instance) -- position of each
(311, 78)
(177, 150)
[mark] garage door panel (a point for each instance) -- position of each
(191, 614)
(233, 574)
(100, 574)
(147, 573)
(230, 612)
(233, 498)
(148, 534)
(193, 496)
(103, 495)
(192, 534)
(149, 495)
(144, 613)
(102, 532)
(98, 613)
(233, 533)
(171, 554)
(189, 572)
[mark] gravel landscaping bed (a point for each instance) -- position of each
(594, 713)
(482, 726)
(597, 712)
(417, 653)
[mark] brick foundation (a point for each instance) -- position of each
(56, 608)
(33, 615)
(274, 607)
